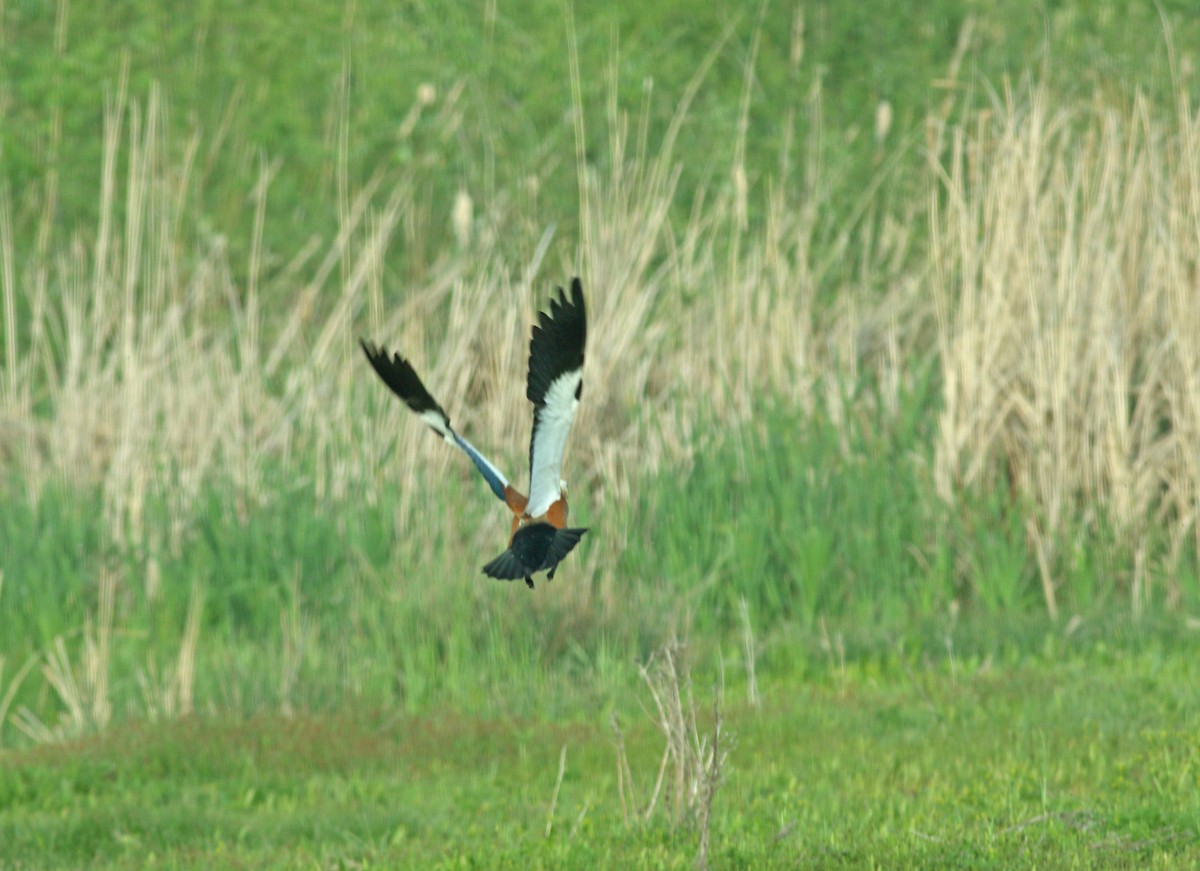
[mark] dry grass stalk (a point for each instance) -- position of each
(173, 694)
(8, 694)
(691, 766)
(83, 691)
(749, 653)
(711, 778)
(562, 768)
(298, 634)
(625, 787)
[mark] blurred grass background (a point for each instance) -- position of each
(203, 210)
(892, 358)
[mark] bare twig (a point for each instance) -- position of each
(749, 652)
(711, 775)
(579, 819)
(14, 685)
(1081, 820)
(692, 763)
(562, 767)
(629, 805)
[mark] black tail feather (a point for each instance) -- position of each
(536, 547)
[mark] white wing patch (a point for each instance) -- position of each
(550, 440)
(436, 422)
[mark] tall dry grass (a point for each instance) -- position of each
(1058, 279)
(154, 368)
(1060, 273)
(1064, 271)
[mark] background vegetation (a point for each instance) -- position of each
(892, 418)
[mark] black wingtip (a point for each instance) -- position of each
(558, 341)
(400, 376)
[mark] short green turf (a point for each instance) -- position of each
(1088, 760)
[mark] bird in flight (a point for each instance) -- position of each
(540, 537)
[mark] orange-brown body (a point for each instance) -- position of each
(556, 516)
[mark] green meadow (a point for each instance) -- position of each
(888, 444)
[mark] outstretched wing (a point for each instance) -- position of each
(398, 374)
(554, 387)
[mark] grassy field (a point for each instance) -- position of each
(1080, 756)
(891, 426)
